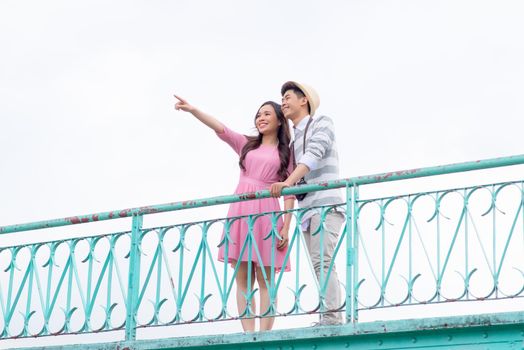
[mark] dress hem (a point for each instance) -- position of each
(233, 262)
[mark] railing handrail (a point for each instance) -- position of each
(205, 202)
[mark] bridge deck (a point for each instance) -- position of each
(491, 331)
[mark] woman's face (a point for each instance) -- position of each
(267, 121)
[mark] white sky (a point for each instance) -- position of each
(86, 107)
(86, 88)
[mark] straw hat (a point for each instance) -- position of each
(309, 92)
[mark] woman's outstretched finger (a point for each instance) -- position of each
(180, 99)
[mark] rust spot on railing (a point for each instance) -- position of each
(396, 173)
(77, 220)
(407, 172)
(74, 219)
(251, 195)
(383, 177)
(124, 213)
(148, 210)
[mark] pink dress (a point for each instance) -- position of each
(261, 166)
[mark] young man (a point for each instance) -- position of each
(317, 161)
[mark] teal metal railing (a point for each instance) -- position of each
(462, 244)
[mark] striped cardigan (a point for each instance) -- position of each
(321, 157)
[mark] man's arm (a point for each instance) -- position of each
(317, 145)
(300, 171)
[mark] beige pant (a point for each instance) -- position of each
(329, 233)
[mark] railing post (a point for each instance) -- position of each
(355, 233)
(134, 277)
(351, 255)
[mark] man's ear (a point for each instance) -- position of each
(303, 101)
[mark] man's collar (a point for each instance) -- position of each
(302, 124)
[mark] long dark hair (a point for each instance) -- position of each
(253, 142)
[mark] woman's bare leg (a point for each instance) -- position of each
(248, 324)
(266, 323)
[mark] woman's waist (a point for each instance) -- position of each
(255, 181)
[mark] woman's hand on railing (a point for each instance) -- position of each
(284, 233)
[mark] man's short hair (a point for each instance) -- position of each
(293, 87)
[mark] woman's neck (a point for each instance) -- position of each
(270, 140)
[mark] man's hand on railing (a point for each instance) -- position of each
(277, 187)
(300, 171)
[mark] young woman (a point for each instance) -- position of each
(263, 160)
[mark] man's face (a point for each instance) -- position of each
(292, 104)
